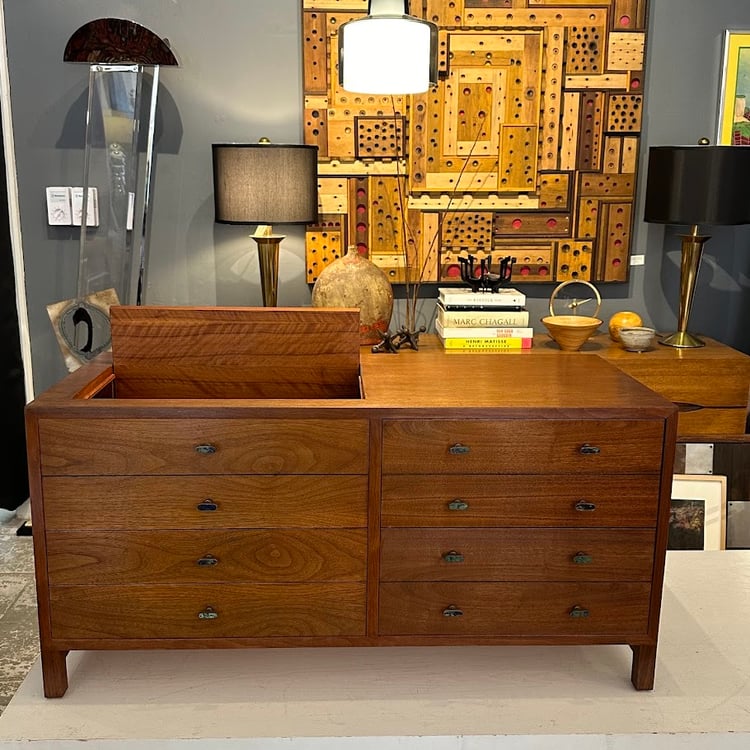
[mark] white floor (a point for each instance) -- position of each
(468, 698)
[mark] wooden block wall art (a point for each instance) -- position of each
(324, 243)
(574, 261)
(533, 262)
(528, 145)
(468, 229)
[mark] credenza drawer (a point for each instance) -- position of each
(205, 502)
(71, 447)
(260, 556)
(516, 554)
(514, 609)
(522, 446)
(520, 500)
(208, 611)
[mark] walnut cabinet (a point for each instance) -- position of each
(471, 499)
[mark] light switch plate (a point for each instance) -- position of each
(92, 207)
(59, 211)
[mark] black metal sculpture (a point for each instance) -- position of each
(485, 280)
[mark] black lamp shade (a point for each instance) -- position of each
(265, 183)
(698, 185)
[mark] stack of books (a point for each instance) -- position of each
(483, 321)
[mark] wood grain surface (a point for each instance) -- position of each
(520, 500)
(186, 352)
(171, 502)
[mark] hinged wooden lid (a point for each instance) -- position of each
(235, 352)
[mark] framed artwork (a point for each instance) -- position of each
(527, 147)
(734, 96)
(697, 517)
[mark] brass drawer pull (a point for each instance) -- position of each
(207, 561)
(453, 557)
(585, 507)
(209, 613)
(453, 611)
(579, 612)
(459, 449)
(458, 505)
(589, 450)
(207, 505)
(581, 558)
(205, 449)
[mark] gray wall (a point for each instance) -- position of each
(240, 79)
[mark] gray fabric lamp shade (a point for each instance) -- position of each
(265, 183)
(698, 185)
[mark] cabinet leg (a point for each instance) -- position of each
(54, 673)
(644, 667)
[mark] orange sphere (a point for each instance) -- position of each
(624, 319)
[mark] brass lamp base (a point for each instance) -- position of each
(682, 340)
(268, 260)
(692, 250)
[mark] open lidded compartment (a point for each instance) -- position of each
(234, 352)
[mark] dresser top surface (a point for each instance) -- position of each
(432, 377)
(514, 384)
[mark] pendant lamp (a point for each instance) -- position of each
(387, 51)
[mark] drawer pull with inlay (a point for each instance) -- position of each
(207, 561)
(453, 557)
(459, 449)
(589, 450)
(453, 611)
(581, 558)
(209, 613)
(458, 505)
(205, 449)
(585, 507)
(579, 612)
(207, 505)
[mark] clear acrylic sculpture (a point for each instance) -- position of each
(116, 185)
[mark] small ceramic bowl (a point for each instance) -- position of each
(637, 338)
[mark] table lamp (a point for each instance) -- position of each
(694, 185)
(265, 183)
(387, 51)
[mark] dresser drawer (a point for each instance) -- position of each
(520, 500)
(442, 446)
(205, 502)
(71, 447)
(260, 556)
(208, 611)
(516, 554)
(514, 609)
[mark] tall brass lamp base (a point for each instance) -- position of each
(268, 260)
(692, 250)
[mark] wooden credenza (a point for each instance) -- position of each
(710, 385)
(462, 499)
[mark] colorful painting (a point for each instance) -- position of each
(734, 102)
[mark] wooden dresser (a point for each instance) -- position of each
(436, 499)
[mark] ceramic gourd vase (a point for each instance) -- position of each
(354, 281)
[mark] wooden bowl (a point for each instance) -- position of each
(571, 331)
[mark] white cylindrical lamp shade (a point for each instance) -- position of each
(387, 55)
